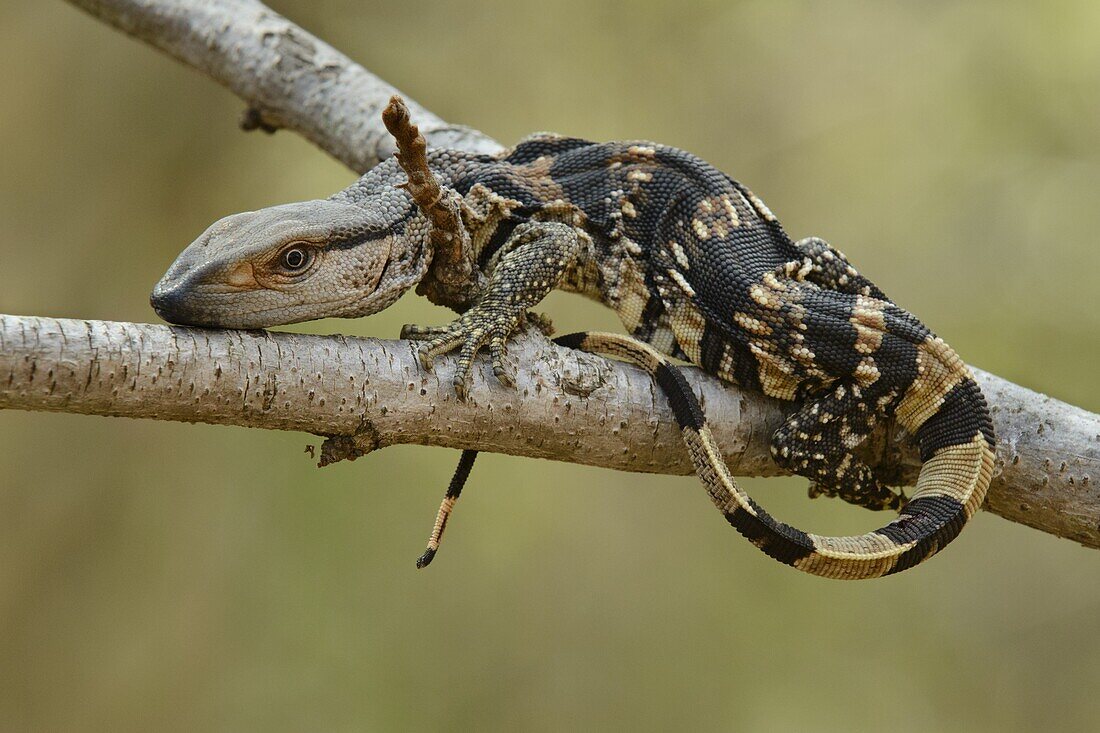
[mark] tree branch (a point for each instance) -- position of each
(368, 393)
(365, 393)
(289, 78)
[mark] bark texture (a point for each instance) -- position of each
(367, 393)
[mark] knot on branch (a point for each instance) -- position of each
(452, 278)
(338, 448)
(253, 119)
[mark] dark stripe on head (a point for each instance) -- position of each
(373, 234)
(779, 541)
(961, 416)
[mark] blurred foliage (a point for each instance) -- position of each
(163, 577)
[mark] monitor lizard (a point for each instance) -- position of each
(696, 267)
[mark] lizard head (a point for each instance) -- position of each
(297, 262)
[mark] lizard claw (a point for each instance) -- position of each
(497, 352)
(470, 332)
(438, 345)
(472, 341)
(504, 377)
(462, 389)
(425, 359)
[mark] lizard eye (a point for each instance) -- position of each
(295, 259)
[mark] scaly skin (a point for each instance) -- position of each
(695, 265)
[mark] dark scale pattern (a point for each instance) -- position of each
(544, 144)
(817, 441)
(687, 411)
(715, 345)
(963, 414)
(778, 541)
(695, 265)
(929, 523)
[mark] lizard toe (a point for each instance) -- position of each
(464, 369)
(437, 346)
(497, 352)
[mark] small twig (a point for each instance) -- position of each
(452, 279)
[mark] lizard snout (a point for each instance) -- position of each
(169, 302)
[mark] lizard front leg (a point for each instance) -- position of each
(530, 264)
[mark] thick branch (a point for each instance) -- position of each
(566, 406)
(289, 78)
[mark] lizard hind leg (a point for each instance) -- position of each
(817, 441)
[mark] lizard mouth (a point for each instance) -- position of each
(181, 308)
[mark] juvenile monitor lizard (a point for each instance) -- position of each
(696, 267)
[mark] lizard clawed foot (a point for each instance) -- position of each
(469, 333)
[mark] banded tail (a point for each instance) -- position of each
(454, 490)
(947, 414)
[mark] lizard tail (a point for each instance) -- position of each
(944, 409)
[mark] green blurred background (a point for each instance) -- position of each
(159, 576)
